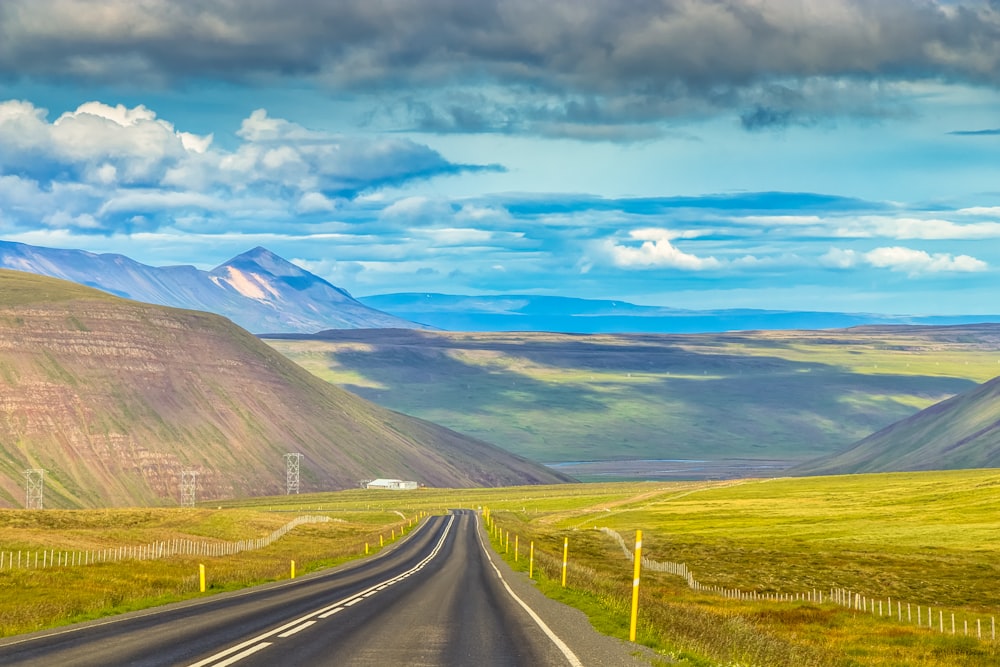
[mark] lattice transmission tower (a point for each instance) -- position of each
(35, 488)
(292, 461)
(189, 486)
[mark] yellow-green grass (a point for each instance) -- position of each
(35, 598)
(925, 539)
(551, 397)
(922, 538)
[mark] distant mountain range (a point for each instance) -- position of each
(566, 315)
(257, 290)
(264, 293)
(115, 398)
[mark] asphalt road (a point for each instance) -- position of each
(436, 598)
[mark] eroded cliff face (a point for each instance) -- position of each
(114, 401)
(115, 398)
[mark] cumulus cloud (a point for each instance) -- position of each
(655, 251)
(102, 167)
(774, 62)
(917, 261)
(839, 258)
(906, 260)
(96, 142)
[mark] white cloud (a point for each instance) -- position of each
(467, 236)
(158, 200)
(656, 251)
(991, 211)
(474, 214)
(917, 261)
(103, 167)
(929, 229)
(97, 142)
(417, 210)
(838, 258)
(314, 202)
(908, 260)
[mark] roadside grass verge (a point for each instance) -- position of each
(920, 538)
(37, 598)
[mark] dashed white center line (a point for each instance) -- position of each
(299, 628)
(239, 656)
(302, 623)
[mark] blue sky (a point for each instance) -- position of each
(792, 154)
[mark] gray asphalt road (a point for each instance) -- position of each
(437, 598)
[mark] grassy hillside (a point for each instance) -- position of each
(115, 398)
(760, 395)
(961, 432)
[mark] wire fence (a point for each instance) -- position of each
(944, 621)
(14, 560)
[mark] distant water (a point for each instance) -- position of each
(563, 464)
(672, 469)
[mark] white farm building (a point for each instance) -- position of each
(392, 484)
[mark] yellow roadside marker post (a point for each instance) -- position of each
(293, 569)
(506, 548)
(381, 543)
(515, 549)
(531, 561)
(565, 559)
(201, 577)
(635, 584)
(366, 548)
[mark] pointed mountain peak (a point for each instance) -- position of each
(261, 262)
(259, 252)
(261, 259)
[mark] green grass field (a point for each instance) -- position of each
(926, 539)
(36, 598)
(553, 398)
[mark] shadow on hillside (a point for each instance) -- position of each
(417, 376)
(628, 352)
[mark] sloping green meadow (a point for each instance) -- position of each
(921, 540)
(791, 395)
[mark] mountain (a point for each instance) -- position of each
(960, 432)
(114, 398)
(258, 290)
(547, 313)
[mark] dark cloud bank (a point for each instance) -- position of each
(602, 69)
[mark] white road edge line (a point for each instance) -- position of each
(560, 644)
(346, 602)
(331, 612)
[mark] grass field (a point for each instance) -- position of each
(926, 539)
(35, 598)
(554, 398)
